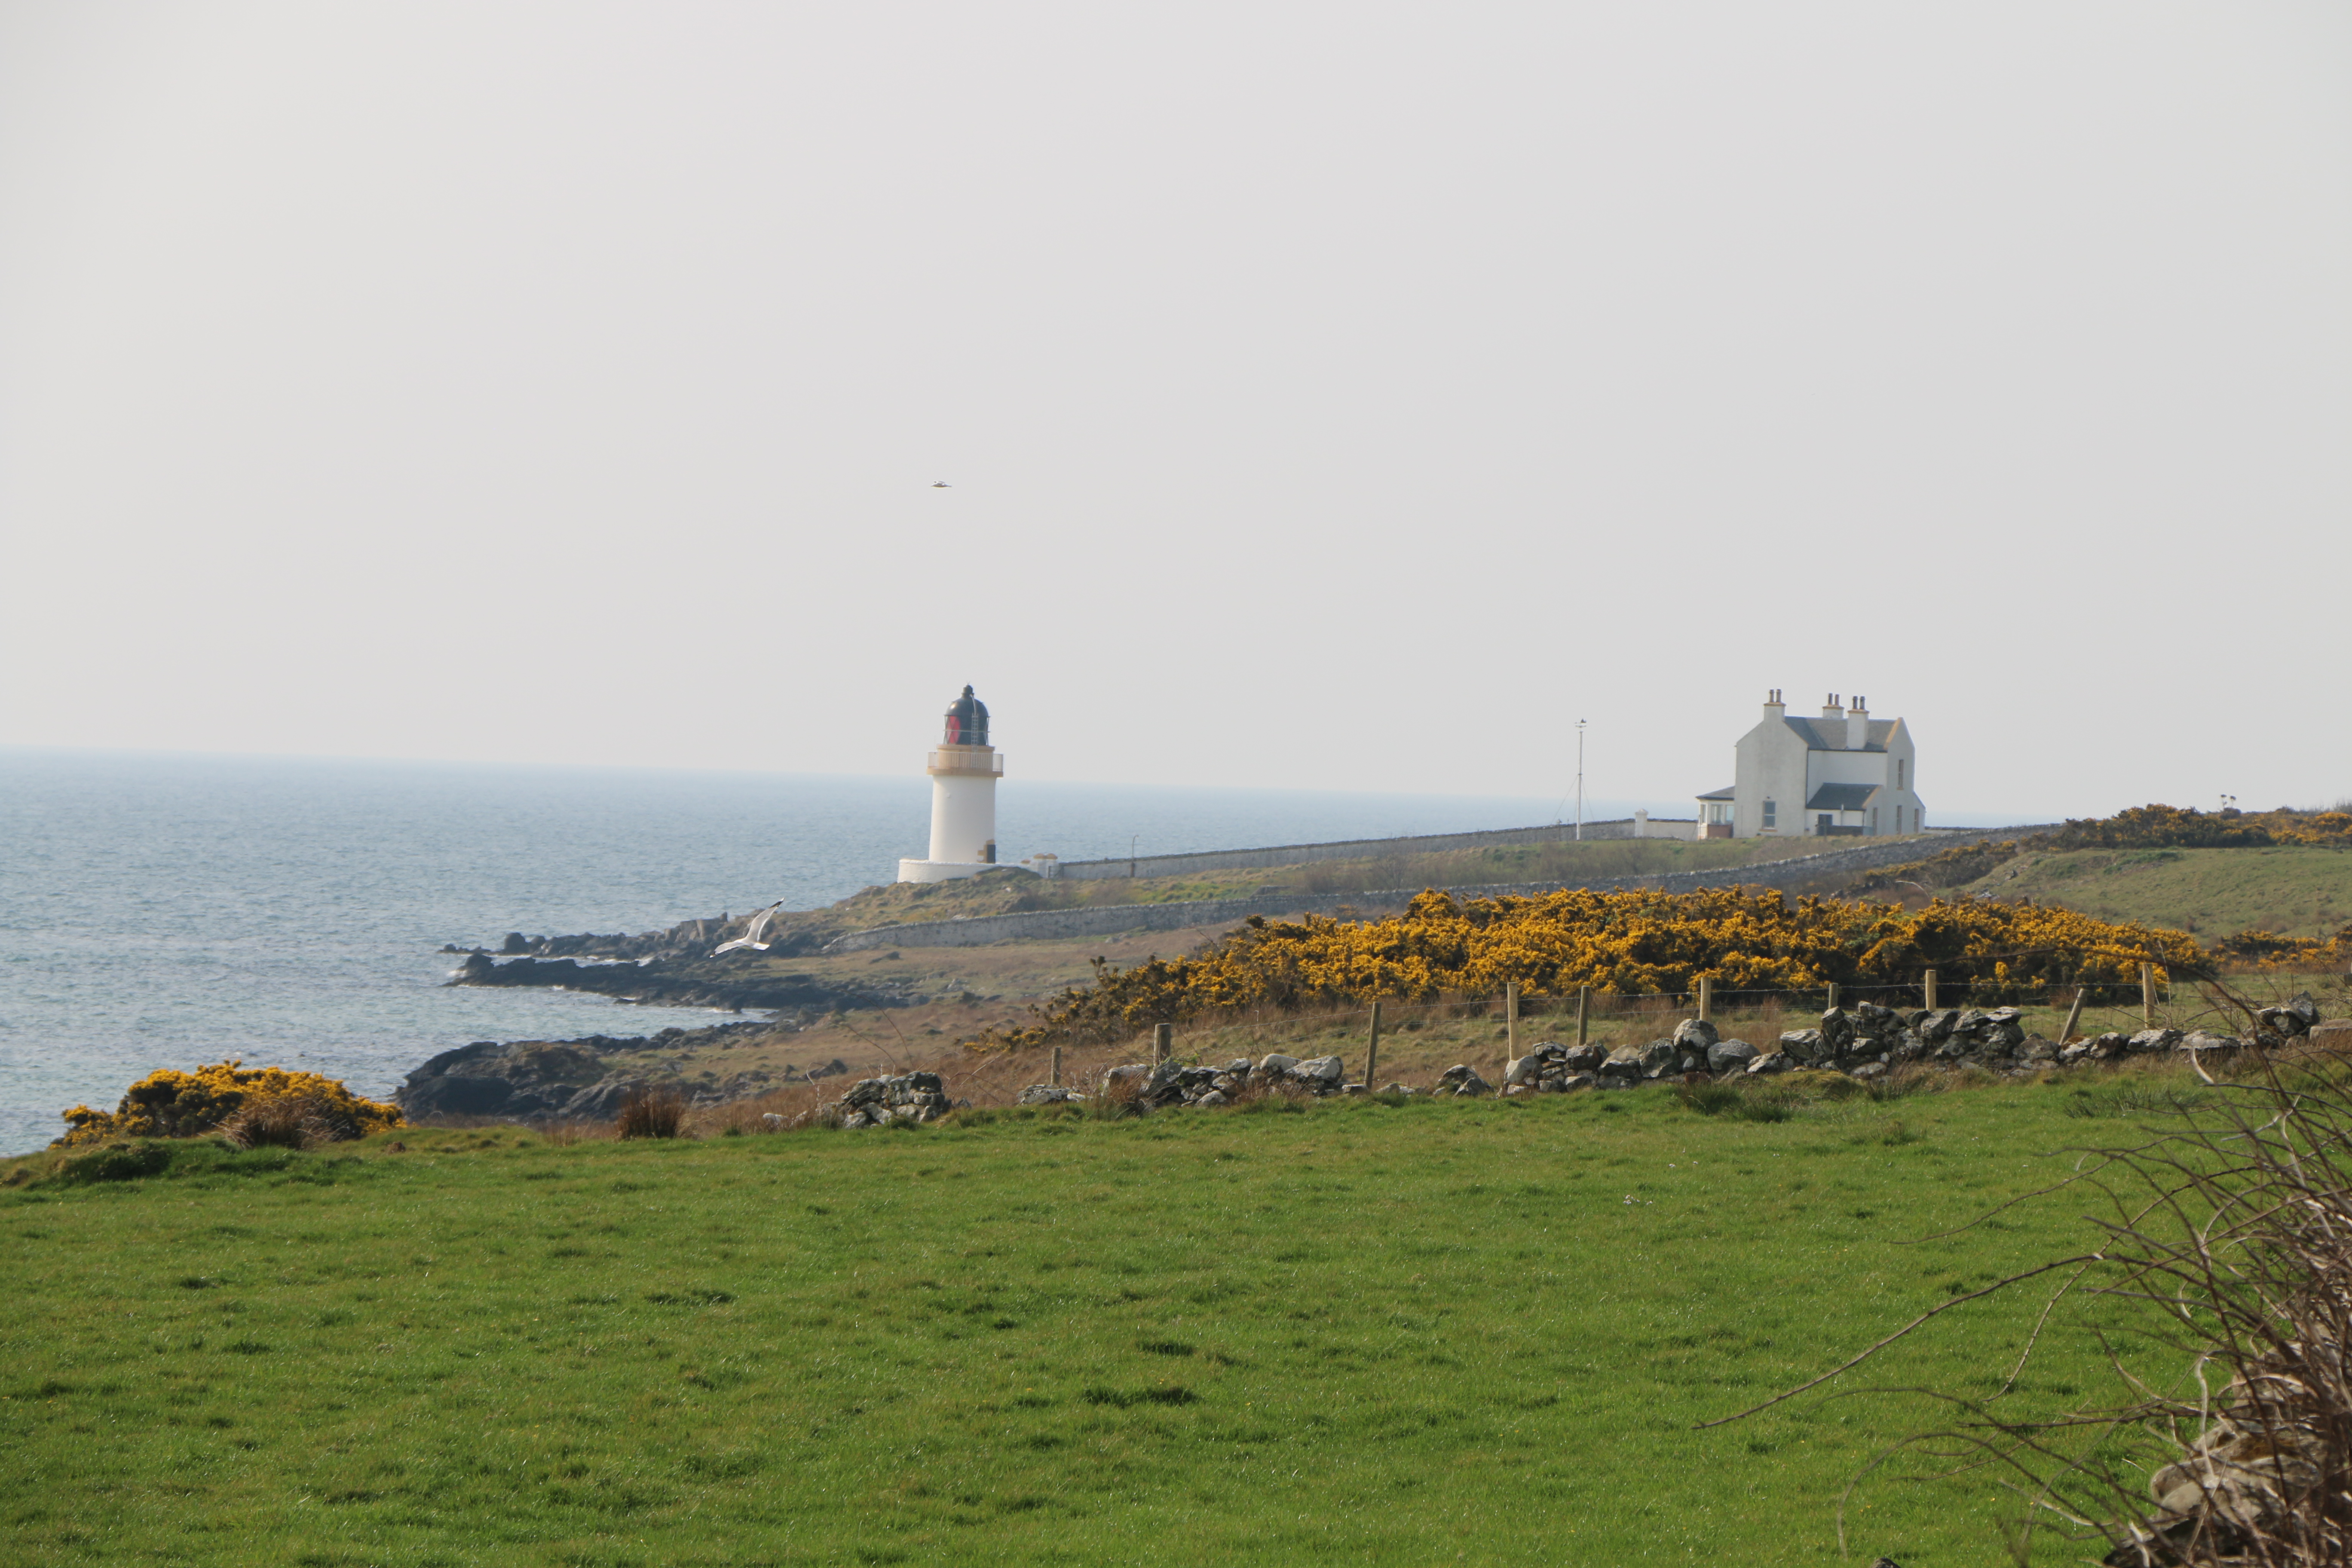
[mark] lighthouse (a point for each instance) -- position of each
(964, 768)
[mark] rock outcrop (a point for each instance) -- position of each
(578, 1080)
(682, 983)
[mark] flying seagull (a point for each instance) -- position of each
(939, 484)
(750, 938)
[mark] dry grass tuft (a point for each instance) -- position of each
(651, 1110)
(287, 1121)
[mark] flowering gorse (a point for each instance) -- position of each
(2172, 827)
(168, 1103)
(1625, 944)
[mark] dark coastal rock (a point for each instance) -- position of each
(681, 984)
(570, 1080)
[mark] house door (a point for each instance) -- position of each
(1823, 826)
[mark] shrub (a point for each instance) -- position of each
(1625, 943)
(2171, 827)
(168, 1103)
(651, 1111)
(285, 1122)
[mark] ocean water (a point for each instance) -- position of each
(164, 911)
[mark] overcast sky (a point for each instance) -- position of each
(1334, 396)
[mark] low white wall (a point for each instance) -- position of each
(1366, 848)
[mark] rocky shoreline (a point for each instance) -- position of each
(682, 983)
(539, 1082)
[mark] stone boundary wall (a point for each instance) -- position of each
(1110, 919)
(1365, 849)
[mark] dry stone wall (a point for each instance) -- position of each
(1866, 1042)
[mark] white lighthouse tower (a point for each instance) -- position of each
(964, 771)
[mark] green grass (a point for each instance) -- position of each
(1361, 1333)
(2213, 893)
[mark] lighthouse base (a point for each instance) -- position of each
(943, 870)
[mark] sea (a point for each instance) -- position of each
(165, 910)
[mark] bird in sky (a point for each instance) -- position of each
(939, 484)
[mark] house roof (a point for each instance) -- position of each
(1842, 797)
(1829, 734)
(1723, 794)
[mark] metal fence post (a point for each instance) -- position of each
(1057, 1066)
(2147, 996)
(1705, 995)
(1582, 993)
(1162, 1041)
(1927, 987)
(1832, 1007)
(1372, 1051)
(1511, 1017)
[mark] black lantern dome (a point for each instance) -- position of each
(967, 721)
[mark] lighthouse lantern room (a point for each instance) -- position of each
(965, 770)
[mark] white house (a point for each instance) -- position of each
(1841, 773)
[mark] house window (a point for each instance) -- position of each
(1899, 773)
(1769, 810)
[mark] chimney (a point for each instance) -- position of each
(1857, 724)
(1773, 707)
(1832, 720)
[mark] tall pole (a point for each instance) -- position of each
(1580, 780)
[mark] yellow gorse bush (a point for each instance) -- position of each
(169, 1103)
(1621, 942)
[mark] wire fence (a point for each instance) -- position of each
(2229, 1005)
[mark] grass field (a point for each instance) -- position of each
(1355, 1332)
(2213, 893)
